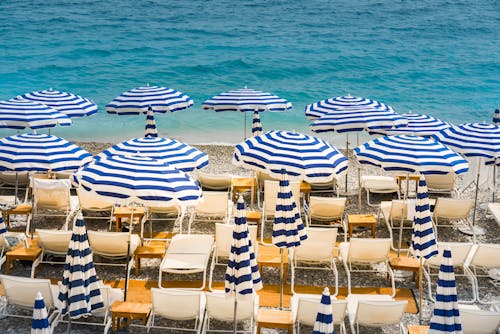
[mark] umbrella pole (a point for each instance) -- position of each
(475, 201)
(235, 308)
(128, 253)
(494, 180)
(405, 197)
(16, 188)
(68, 330)
(244, 125)
(281, 278)
(420, 301)
(347, 154)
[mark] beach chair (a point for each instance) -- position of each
(165, 305)
(261, 178)
(54, 244)
(215, 204)
(20, 293)
(305, 309)
(394, 212)
(222, 248)
(477, 321)
(8, 180)
(221, 308)
(366, 253)
(90, 204)
(379, 185)
(442, 183)
(460, 252)
(327, 210)
(452, 210)
(377, 313)
(271, 189)
(494, 209)
(325, 187)
(316, 253)
(174, 214)
(8, 241)
(187, 254)
(217, 182)
(485, 262)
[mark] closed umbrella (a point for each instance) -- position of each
(40, 322)
(418, 125)
(256, 125)
(150, 131)
(496, 117)
(22, 114)
(324, 318)
(446, 316)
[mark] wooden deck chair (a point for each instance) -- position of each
(365, 253)
(20, 292)
(316, 253)
(325, 187)
(53, 243)
(378, 313)
(485, 257)
(460, 252)
(305, 309)
(477, 321)
(88, 203)
(215, 204)
(442, 183)
(379, 185)
(452, 210)
(165, 305)
(223, 239)
(328, 210)
(393, 213)
(217, 182)
(221, 308)
(8, 241)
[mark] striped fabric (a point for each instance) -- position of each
(138, 100)
(288, 229)
(242, 273)
(423, 238)
(411, 154)
(302, 156)
(418, 125)
(67, 103)
(22, 114)
(40, 322)
(173, 152)
(142, 180)
(79, 292)
(330, 106)
(3, 227)
(496, 117)
(472, 139)
(324, 319)
(40, 152)
(246, 100)
(150, 131)
(446, 316)
(256, 126)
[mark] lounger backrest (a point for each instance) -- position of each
(54, 241)
(318, 246)
(327, 208)
(213, 203)
(224, 237)
(307, 310)
(399, 209)
(88, 201)
(10, 178)
(21, 291)
(263, 177)
(441, 182)
(479, 321)
(271, 189)
(459, 253)
(487, 256)
(373, 182)
(369, 250)
(380, 313)
(170, 210)
(453, 208)
(52, 194)
(190, 244)
(324, 185)
(221, 308)
(214, 182)
(177, 304)
(112, 244)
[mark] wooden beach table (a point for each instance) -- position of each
(418, 329)
(367, 220)
(243, 184)
(126, 212)
(279, 319)
(129, 311)
(21, 253)
(21, 209)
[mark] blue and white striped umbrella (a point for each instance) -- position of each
(302, 156)
(256, 126)
(242, 273)
(150, 131)
(40, 322)
(40, 152)
(411, 154)
(418, 125)
(175, 153)
(3, 227)
(138, 100)
(79, 292)
(496, 117)
(324, 319)
(446, 316)
(22, 114)
(330, 106)
(246, 100)
(67, 103)
(423, 238)
(142, 180)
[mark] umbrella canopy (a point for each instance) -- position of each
(324, 319)
(446, 316)
(40, 152)
(79, 292)
(246, 100)
(330, 106)
(150, 130)
(22, 114)
(496, 117)
(411, 154)
(299, 155)
(418, 125)
(175, 153)
(256, 126)
(138, 100)
(67, 103)
(40, 322)
(134, 179)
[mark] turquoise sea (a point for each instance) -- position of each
(430, 56)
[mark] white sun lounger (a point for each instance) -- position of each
(494, 209)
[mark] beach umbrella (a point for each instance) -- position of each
(446, 316)
(67, 103)
(139, 100)
(242, 274)
(40, 322)
(22, 114)
(256, 126)
(329, 106)
(79, 291)
(150, 131)
(418, 125)
(246, 100)
(496, 117)
(324, 318)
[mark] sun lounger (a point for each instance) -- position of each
(394, 212)
(329, 210)
(485, 262)
(8, 241)
(216, 182)
(305, 309)
(379, 185)
(477, 321)
(494, 209)
(52, 243)
(376, 313)
(215, 204)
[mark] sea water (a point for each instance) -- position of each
(430, 56)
